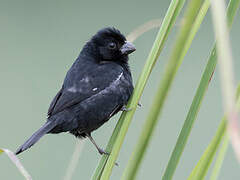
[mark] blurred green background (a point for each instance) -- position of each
(39, 40)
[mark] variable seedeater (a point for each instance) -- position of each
(96, 87)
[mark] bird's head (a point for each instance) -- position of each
(111, 45)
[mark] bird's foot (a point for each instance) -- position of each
(124, 108)
(101, 151)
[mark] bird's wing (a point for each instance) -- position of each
(54, 101)
(80, 86)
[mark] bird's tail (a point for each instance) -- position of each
(36, 136)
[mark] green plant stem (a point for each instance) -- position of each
(198, 21)
(220, 158)
(181, 142)
(225, 143)
(226, 72)
(170, 72)
(168, 22)
(200, 170)
(100, 167)
(195, 106)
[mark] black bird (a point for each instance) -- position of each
(96, 87)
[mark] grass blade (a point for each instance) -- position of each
(169, 20)
(220, 158)
(196, 103)
(222, 151)
(74, 159)
(202, 12)
(200, 170)
(102, 163)
(226, 72)
(155, 23)
(17, 163)
(170, 71)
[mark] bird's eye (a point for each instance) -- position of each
(112, 45)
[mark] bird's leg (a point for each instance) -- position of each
(124, 108)
(101, 151)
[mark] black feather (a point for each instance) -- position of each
(95, 88)
(36, 136)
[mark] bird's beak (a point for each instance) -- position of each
(127, 48)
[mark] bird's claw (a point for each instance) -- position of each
(101, 151)
(124, 108)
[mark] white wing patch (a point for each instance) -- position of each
(120, 75)
(74, 89)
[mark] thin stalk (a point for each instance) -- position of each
(165, 84)
(200, 93)
(200, 170)
(17, 163)
(155, 23)
(226, 72)
(202, 12)
(224, 147)
(168, 22)
(220, 158)
(74, 159)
